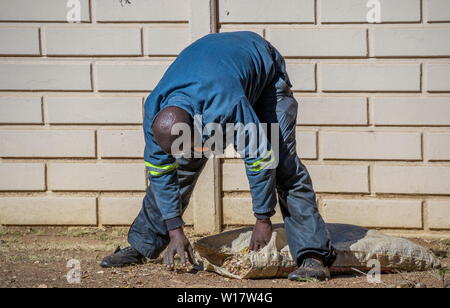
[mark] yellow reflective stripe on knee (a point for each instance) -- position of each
(161, 170)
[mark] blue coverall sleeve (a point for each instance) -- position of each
(260, 165)
(162, 173)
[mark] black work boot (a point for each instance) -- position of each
(311, 269)
(122, 258)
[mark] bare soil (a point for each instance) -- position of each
(37, 257)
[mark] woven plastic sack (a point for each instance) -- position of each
(227, 253)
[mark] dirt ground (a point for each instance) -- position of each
(37, 257)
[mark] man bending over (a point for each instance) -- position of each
(229, 78)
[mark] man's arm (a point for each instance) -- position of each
(260, 168)
(259, 159)
(162, 173)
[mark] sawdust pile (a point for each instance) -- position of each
(238, 265)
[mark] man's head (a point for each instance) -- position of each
(165, 122)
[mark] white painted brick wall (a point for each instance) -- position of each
(42, 10)
(355, 11)
(307, 144)
(29, 76)
(340, 179)
(438, 146)
(411, 42)
(93, 41)
(313, 43)
(373, 119)
(119, 211)
(262, 11)
(372, 213)
(438, 77)
(47, 143)
(253, 28)
(412, 111)
(234, 178)
(22, 177)
(94, 110)
(133, 76)
(142, 11)
(438, 10)
(239, 211)
(178, 36)
(63, 211)
(121, 143)
(96, 177)
(20, 110)
(326, 178)
(22, 41)
(370, 77)
(438, 214)
(412, 180)
(332, 111)
(372, 146)
(302, 76)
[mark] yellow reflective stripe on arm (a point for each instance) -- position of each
(155, 173)
(161, 170)
(259, 162)
(262, 167)
(262, 163)
(165, 167)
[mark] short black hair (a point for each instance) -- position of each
(164, 122)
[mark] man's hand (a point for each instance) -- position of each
(262, 233)
(180, 245)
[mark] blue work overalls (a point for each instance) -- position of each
(230, 78)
